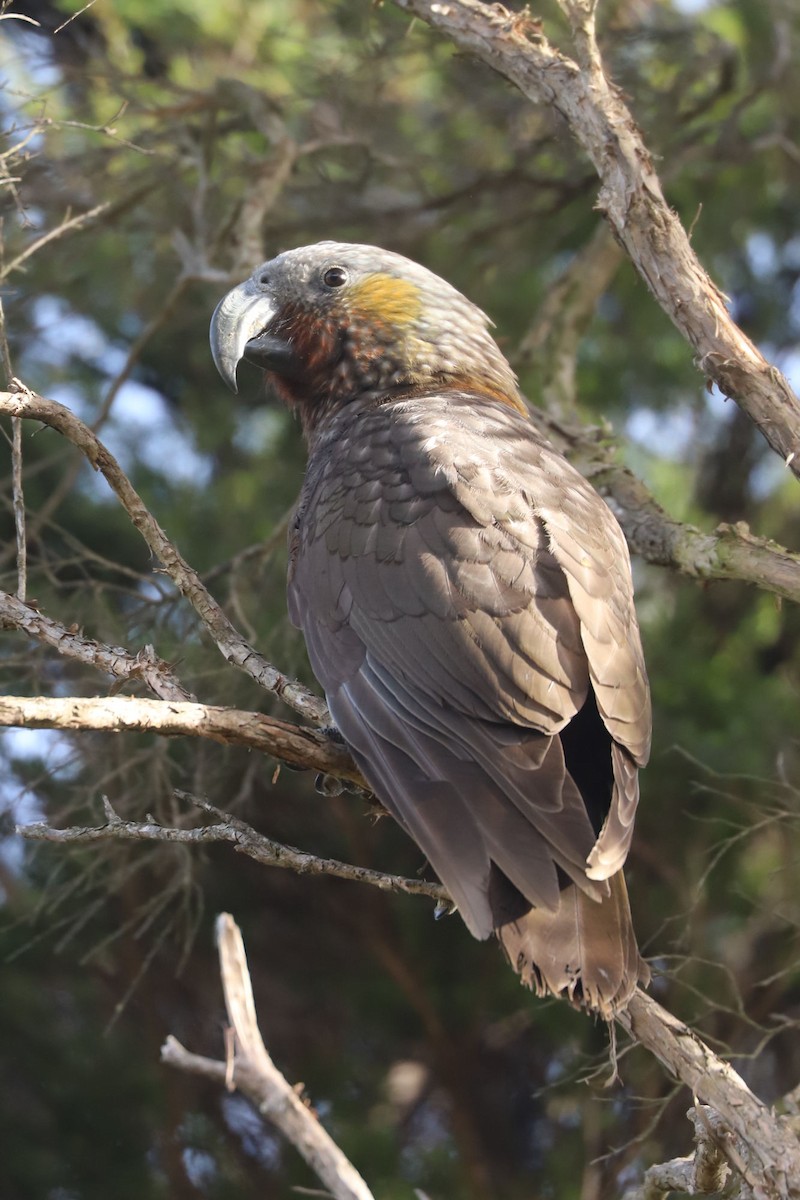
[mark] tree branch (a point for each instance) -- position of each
(114, 660)
(703, 1173)
(252, 1071)
(18, 501)
(242, 837)
(232, 645)
(774, 1147)
(630, 197)
(729, 552)
(292, 744)
(17, 492)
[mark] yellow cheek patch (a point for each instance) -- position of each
(387, 299)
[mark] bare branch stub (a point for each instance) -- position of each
(631, 197)
(717, 1165)
(257, 1077)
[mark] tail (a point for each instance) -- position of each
(586, 949)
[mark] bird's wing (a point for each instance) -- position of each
(590, 549)
(451, 616)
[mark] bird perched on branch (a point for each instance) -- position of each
(466, 601)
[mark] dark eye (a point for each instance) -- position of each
(335, 277)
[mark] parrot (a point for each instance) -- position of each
(466, 600)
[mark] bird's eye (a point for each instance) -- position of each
(335, 277)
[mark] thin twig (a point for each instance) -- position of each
(74, 17)
(68, 225)
(5, 353)
(243, 838)
(19, 17)
(152, 327)
(19, 508)
(115, 660)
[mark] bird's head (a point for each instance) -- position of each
(335, 321)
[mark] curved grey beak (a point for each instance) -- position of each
(238, 318)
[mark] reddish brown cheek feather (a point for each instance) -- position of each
(316, 344)
(315, 341)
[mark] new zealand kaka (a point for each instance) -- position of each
(466, 601)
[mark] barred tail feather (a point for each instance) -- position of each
(584, 949)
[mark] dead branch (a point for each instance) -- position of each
(254, 1073)
(232, 645)
(292, 744)
(630, 196)
(242, 837)
(114, 660)
(774, 1150)
(704, 1173)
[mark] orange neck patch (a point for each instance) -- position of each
(491, 387)
(387, 299)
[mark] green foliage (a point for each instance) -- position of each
(168, 110)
